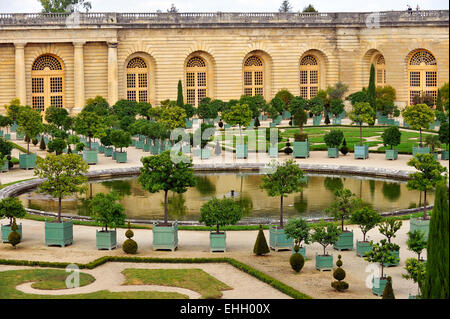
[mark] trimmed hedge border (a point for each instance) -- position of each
(288, 290)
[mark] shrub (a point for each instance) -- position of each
(336, 106)
(14, 236)
(344, 148)
(298, 229)
(42, 145)
(297, 261)
(220, 212)
(300, 137)
(333, 138)
(129, 246)
(339, 275)
(261, 246)
(34, 141)
(288, 150)
(391, 136)
(388, 292)
(327, 119)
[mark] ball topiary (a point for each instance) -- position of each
(339, 275)
(14, 236)
(129, 246)
(297, 261)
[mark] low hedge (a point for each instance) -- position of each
(288, 290)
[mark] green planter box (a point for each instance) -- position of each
(414, 296)
(420, 150)
(140, 144)
(342, 115)
(301, 251)
(7, 136)
(382, 119)
(217, 242)
(361, 151)
(114, 153)
(6, 230)
(1, 133)
(165, 237)
(273, 124)
(226, 126)
(94, 146)
(27, 161)
(188, 123)
(90, 156)
(14, 127)
(106, 239)
(444, 155)
(278, 119)
(217, 119)
(133, 142)
(59, 234)
(378, 285)
(420, 224)
(241, 150)
(301, 149)
(405, 124)
(345, 241)
(431, 127)
(121, 157)
(197, 152)
(333, 152)
(19, 136)
(278, 240)
(286, 115)
(317, 120)
(147, 146)
(186, 149)
(324, 262)
(109, 151)
(5, 166)
(362, 247)
(206, 153)
(337, 121)
(273, 151)
(141, 138)
(437, 123)
(101, 149)
(392, 154)
(435, 156)
(396, 253)
(155, 148)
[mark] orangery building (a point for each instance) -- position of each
(65, 59)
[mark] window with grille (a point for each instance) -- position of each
(309, 77)
(47, 83)
(196, 80)
(380, 71)
(253, 76)
(422, 75)
(137, 80)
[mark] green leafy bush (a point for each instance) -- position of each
(300, 137)
(333, 138)
(391, 136)
(297, 261)
(14, 236)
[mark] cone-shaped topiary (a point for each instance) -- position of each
(344, 148)
(388, 292)
(129, 246)
(42, 146)
(297, 261)
(261, 246)
(339, 275)
(14, 236)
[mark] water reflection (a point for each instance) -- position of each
(316, 196)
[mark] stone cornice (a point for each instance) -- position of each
(222, 20)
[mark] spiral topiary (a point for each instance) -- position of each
(129, 246)
(297, 261)
(339, 275)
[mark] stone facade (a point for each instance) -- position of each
(94, 50)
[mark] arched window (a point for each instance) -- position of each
(253, 76)
(47, 83)
(422, 75)
(380, 71)
(137, 80)
(196, 82)
(309, 77)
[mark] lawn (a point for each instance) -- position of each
(55, 279)
(194, 279)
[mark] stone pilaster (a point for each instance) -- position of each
(113, 79)
(21, 85)
(78, 76)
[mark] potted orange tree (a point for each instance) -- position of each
(160, 173)
(11, 208)
(30, 124)
(325, 236)
(298, 229)
(366, 218)
(362, 113)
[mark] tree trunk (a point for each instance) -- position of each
(281, 212)
(364, 236)
(165, 206)
(28, 148)
(420, 132)
(382, 270)
(360, 134)
(89, 143)
(59, 209)
(342, 224)
(424, 205)
(217, 229)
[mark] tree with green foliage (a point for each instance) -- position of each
(416, 242)
(381, 253)
(90, 125)
(120, 139)
(285, 96)
(326, 236)
(366, 218)
(436, 283)
(333, 138)
(297, 109)
(278, 104)
(190, 110)
(416, 270)
(238, 114)
(64, 175)
(337, 91)
(180, 99)
(286, 179)
(12, 110)
(336, 106)
(11, 207)
(371, 91)
(429, 173)
(220, 212)
(98, 105)
(173, 117)
(205, 111)
(30, 123)
(261, 247)
(388, 292)
(298, 229)
(160, 173)
(444, 134)
(309, 8)
(389, 227)
(107, 211)
(418, 116)
(57, 145)
(362, 113)
(63, 6)
(5, 147)
(344, 203)
(285, 7)
(391, 136)
(433, 142)
(316, 105)
(58, 116)
(126, 112)
(359, 96)
(5, 121)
